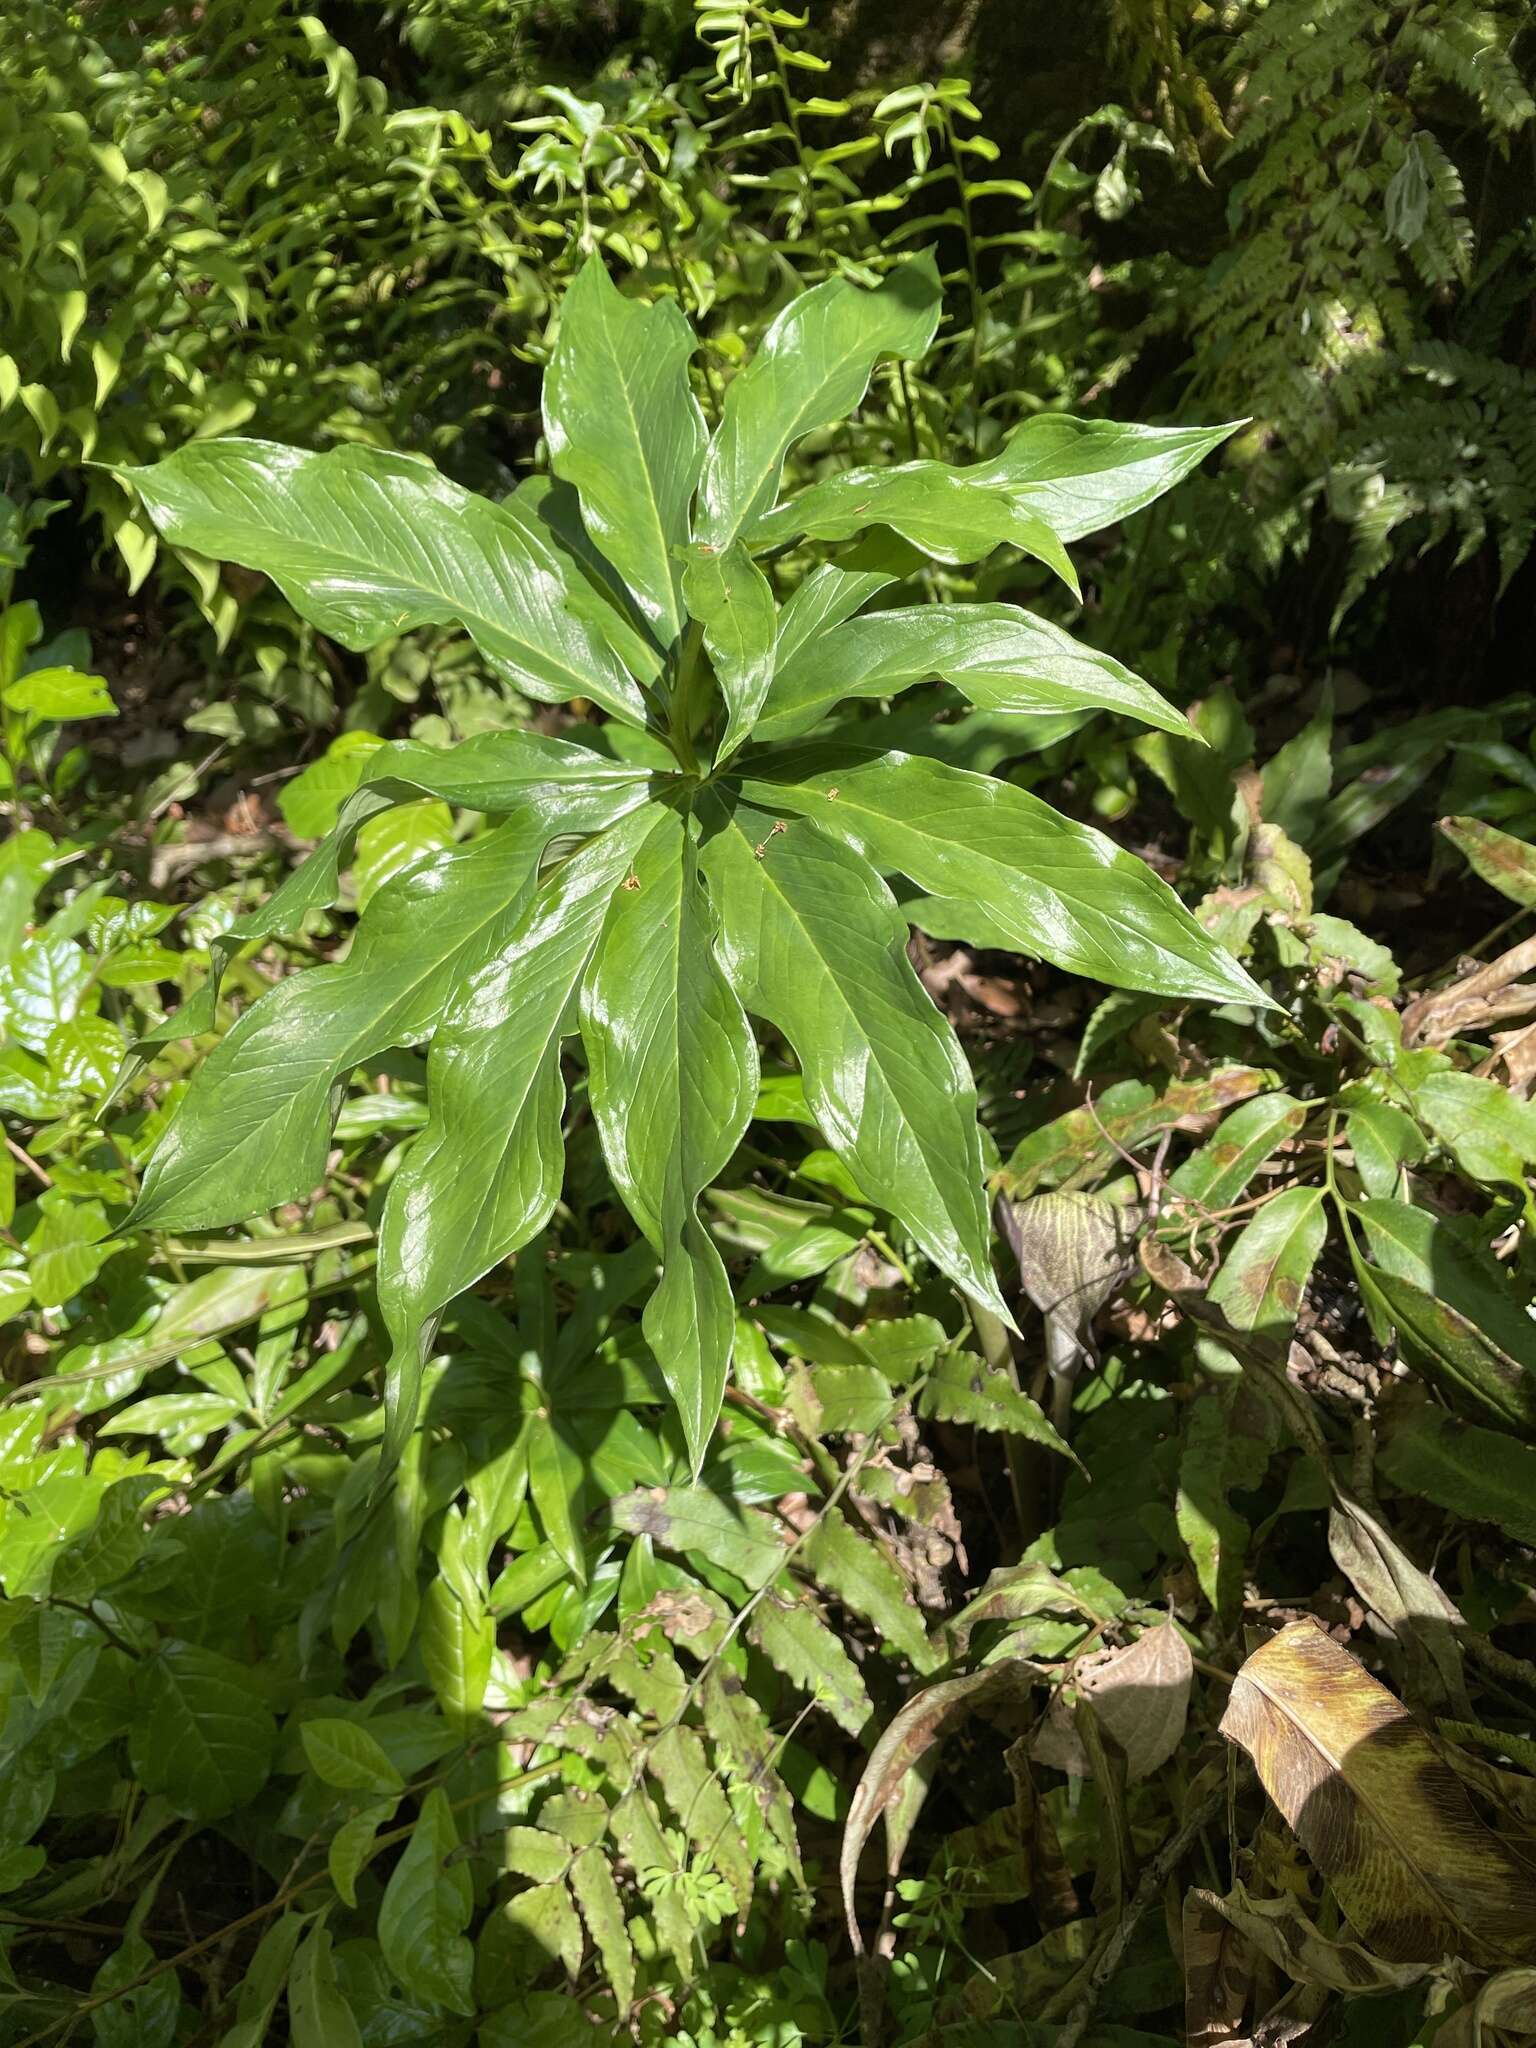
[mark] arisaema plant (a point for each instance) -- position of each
(718, 855)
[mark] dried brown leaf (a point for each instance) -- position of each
(1140, 1698)
(1377, 1808)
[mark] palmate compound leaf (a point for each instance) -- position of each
(1032, 879)
(674, 1077)
(485, 1173)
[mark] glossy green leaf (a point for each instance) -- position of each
(814, 944)
(1218, 1172)
(255, 1125)
(366, 544)
(426, 1907)
(1383, 1139)
(485, 1173)
(1001, 658)
(625, 430)
(810, 370)
(1035, 881)
(946, 512)
(732, 601)
(821, 603)
(674, 1079)
(1081, 475)
(60, 693)
(318, 2015)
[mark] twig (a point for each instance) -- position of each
(24, 1158)
(1148, 1887)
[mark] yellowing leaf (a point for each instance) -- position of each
(1377, 1808)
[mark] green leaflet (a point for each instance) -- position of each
(318, 2015)
(1081, 475)
(365, 545)
(1002, 658)
(625, 429)
(485, 1173)
(426, 1907)
(674, 1078)
(811, 368)
(1452, 1312)
(1219, 1172)
(573, 788)
(826, 597)
(732, 601)
(814, 943)
(946, 512)
(1264, 1276)
(256, 1121)
(1036, 881)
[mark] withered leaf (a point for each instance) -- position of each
(1140, 1698)
(1380, 1812)
(1280, 1930)
(921, 1722)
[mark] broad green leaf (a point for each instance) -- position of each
(144, 2016)
(366, 545)
(1264, 1275)
(811, 369)
(426, 1907)
(66, 1248)
(625, 430)
(1219, 1172)
(261, 1984)
(1482, 1475)
(61, 693)
(1081, 475)
(310, 802)
(814, 943)
(732, 601)
(395, 840)
(344, 1754)
(1001, 658)
(1489, 1132)
(202, 1737)
(485, 1173)
(318, 2015)
(1037, 882)
(1454, 1313)
(354, 1845)
(1083, 1144)
(1504, 862)
(1383, 1139)
(673, 1081)
(255, 1125)
(693, 1519)
(944, 511)
(457, 1646)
